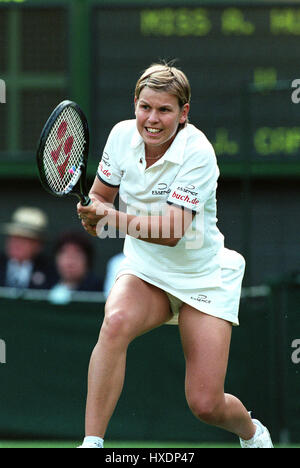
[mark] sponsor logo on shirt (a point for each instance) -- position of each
(105, 159)
(185, 198)
(104, 171)
(161, 189)
(201, 298)
(188, 189)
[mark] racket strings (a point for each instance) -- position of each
(63, 151)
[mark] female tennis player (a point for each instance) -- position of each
(176, 268)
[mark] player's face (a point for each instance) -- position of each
(158, 115)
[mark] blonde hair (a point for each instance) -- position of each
(164, 77)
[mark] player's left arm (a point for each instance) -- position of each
(165, 229)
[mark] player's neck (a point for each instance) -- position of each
(154, 153)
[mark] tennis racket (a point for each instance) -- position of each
(62, 152)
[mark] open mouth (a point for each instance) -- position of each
(153, 131)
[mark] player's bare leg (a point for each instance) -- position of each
(206, 343)
(133, 308)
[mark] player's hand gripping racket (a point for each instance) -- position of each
(63, 152)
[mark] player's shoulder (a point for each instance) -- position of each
(198, 147)
(119, 142)
(125, 128)
(196, 139)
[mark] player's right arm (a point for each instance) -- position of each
(102, 192)
(106, 185)
(99, 192)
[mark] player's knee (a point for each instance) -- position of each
(116, 325)
(205, 408)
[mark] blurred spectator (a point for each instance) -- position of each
(112, 269)
(74, 262)
(22, 264)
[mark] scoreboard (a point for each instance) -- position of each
(243, 62)
(241, 57)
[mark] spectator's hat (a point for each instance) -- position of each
(27, 222)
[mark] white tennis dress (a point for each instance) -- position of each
(198, 271)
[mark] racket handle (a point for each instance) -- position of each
(86, 201)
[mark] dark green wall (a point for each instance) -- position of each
(43, 383)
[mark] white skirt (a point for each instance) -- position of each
(221, 299)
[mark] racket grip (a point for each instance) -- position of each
(86, 201)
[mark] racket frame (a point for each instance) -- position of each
(77, 185)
